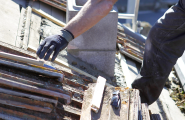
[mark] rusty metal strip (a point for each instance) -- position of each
(44, 99)
(34, 89)
(25, 103)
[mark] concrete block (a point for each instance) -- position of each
(102, 60)
(96, 46)
(100, 37)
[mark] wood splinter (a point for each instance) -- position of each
(98, 94)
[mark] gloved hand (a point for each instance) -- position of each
(54, 43)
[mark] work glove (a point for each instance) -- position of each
(54, 43)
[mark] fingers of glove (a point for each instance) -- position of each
(40, 47)
(49, 52)
(55, 54)
(57, 51)
(44, 50)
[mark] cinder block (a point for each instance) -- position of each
(102, 60)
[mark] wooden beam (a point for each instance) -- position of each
(98, 94)
(49, 17)
(34, 89)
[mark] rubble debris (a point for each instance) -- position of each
(22, 91)
(176, 91)
(130, 108)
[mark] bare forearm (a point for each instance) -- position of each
(92, 12)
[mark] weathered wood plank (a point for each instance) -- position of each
(27, 28)
(98, 94)
(134, 105)
(103, 113)
(123, 111)
(34, 36)
(145, 111)
(20, 33)
(9, 21)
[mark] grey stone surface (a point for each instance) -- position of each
(96, 46)
(9, 21)
(102, 60)
(100, 37)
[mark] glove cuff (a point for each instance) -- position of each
(67, 35)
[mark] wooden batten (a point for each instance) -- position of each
(98, 94)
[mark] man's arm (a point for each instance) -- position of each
(90, 14)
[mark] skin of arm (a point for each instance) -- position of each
(90, 14)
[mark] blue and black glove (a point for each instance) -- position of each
(54, 43)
